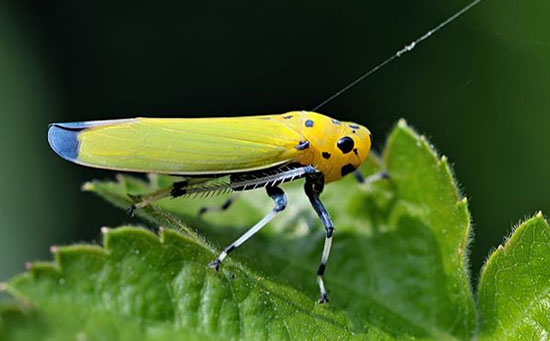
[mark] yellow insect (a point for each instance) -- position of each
(239, 154)
(218, 154)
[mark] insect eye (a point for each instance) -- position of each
(345, 144)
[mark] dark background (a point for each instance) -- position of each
(479, 89)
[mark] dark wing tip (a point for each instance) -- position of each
(63, 138)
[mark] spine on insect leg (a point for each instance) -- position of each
(270, 178)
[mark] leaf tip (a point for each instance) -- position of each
(88, 186)
(104, 230)
(28, 265)
(3, 286)
(402, 123)
(443, 158)
(500, 247)
(539, 214)
(54, 249)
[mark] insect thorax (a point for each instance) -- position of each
(335, 148)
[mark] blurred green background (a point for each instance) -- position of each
(479, 89)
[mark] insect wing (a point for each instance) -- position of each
(199, 146)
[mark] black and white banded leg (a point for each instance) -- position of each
(279, 198)
(314, 187)
(226, 204)
(372, 178)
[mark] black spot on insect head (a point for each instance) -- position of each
(355, 151)
(353, 131)
(309, 123)
(354, 126)
(345, 144)
(287, 117)
(336, 122)
(302, 145)
(347, 169)
(326, 155)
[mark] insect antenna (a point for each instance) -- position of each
(405, 49)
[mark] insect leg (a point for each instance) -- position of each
(279, 198)
(313, 188)
(148, 200)
(174, 191)
(373, 178)
(232, 198)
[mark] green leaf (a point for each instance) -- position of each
(397, 269)
(139, 284)
(514, 290)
